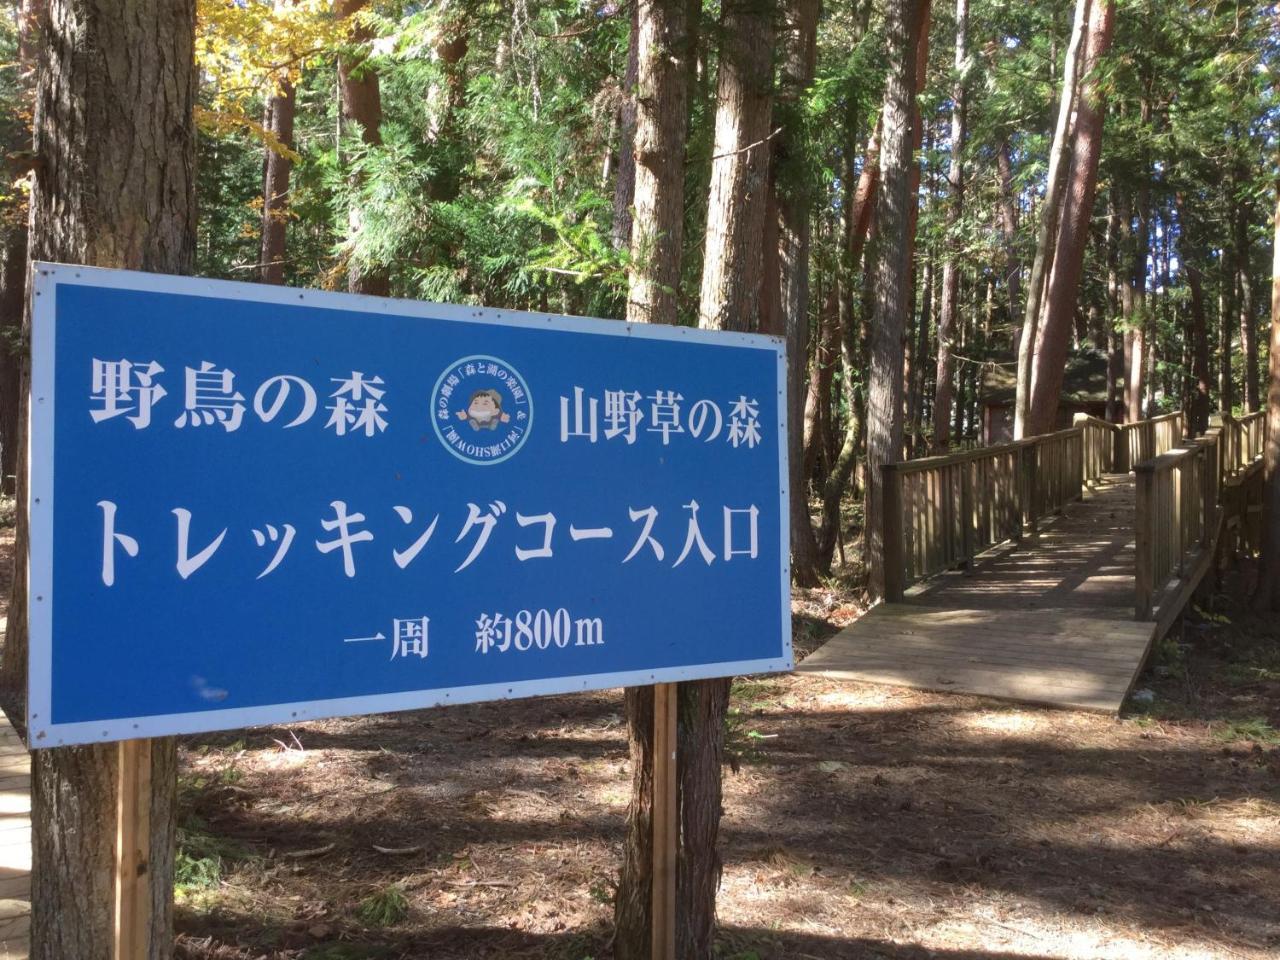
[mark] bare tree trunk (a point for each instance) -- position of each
(1009, 232)
(114, 187)
(1226, 320)
(955, 210)
(730, 300)
(1061, 299)
(664, 32)
(361, 105)
(1047, 231)
(732, 260)
(1244, 283)
(793, 241)
(275, 184)
(625, 178)
(1191, 255)
(892, 275)
(1266, 597)
(1136, 307)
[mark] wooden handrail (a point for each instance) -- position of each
(1242, 439)
(1175, 515)
(942, 511)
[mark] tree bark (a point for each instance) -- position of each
(730, 300)
(1191, 255)
(955, 211)
(1054, 335)
(731, 269)
(275, 184)
(1266, 597)
(114, 187)
(624, 185)
(1009, 232)
(664, 32)
(1135, 307)
(361, 105)
(1047, 231)
(1244, 282)
(793, 241)
(892, 273)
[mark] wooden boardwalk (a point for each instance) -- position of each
(15, 843)
(1049, 619)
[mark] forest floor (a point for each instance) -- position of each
(860, 822)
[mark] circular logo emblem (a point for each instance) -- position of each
(481, 409)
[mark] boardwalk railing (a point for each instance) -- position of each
(1175, 517)
(1100, 439)
(1145, 439)
(1242, 481)
(940, 512)
(1242, 439)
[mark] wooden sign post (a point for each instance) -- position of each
(133, 851)
(666, 825)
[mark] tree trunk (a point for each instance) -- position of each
(1009, 232)
(275, 184)
(731, 268)
(664, 32)
(1266, 597)
(115, 98)
(1244, 281)
(1191, 255)
(361, 105)
(1136, 308)
(793, 240)
(624, 185)
(951, 267)
(892, 274)
(1047, 231)
(1060, 302)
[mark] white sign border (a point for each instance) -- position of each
(41, 732)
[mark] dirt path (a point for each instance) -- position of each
(862, 822)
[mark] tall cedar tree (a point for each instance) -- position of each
(276, 169)
(1053, 338)
(1266, 597)
(664, 48)
(892, 273)
(361, 105)
(116, 97)
(730, 300)
(1048, 228)
(791, 263)
(951, 268)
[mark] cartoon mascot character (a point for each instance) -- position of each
(484, 412)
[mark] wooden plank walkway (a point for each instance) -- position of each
(1047, 620)
(15, 844)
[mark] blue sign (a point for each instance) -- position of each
(254, 504)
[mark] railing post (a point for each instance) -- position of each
(1212, 484)
(1027, 455)
(1120, 451)
(892, 548)
(968, 521)
(1144, 542)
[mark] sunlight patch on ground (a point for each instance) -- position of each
(1004, 722)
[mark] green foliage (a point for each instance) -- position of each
(202, 858)
(1256, 729)
(385, 908)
